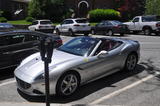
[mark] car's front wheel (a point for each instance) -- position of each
(67, 84)
(110, 33)
(93, 32)
(131, 62)
(71, 33)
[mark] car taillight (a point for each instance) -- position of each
(158, 25)
(59, 42)
(76, 25)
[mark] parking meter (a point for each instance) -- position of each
(46, 51)
(42, 48)
(49, 49)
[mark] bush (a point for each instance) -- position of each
(3, 19)
(98, 15)
(29, 19)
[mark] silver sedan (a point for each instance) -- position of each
(79, 61)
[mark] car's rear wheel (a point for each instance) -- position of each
(131, 62)
(121, 34)
(147, 31)
(57, 32)
(67, 84)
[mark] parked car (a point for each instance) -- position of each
(17, 45)
(109, 28)
(42, 25)
(6, 27)
(72, 26)
(81, 60)
(146, 24)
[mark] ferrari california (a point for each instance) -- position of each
(77, 62)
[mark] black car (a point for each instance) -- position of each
(4, 27)
(109, 28)
(16, 45)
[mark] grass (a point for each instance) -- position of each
(19, 22)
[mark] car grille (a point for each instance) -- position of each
(23, 84)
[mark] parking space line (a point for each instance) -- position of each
(121, 90)
(6, 83)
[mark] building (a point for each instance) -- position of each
(16, 8)
(81, 7)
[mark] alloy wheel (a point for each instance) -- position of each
(131, 62)
(69, 84)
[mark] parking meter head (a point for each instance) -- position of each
(49, 49)
(42, 48)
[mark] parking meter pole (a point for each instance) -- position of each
(47, 83)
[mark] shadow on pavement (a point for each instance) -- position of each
(89, 88)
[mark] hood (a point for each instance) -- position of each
(35, 66)
(126, 23)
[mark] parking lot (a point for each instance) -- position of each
(140, 88)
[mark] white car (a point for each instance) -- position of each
(72, 26)
(42, 25)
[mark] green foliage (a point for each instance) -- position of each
(103, 14)
(152, 7)
(3, 19)
(29, 19)
(47, 9)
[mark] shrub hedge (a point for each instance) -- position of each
(29, 19)
(98, 15)
(3, 19)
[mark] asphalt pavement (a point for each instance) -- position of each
(138, 88)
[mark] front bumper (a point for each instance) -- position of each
(36, 89)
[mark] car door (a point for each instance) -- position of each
(99, 66)
(26, 47)
(64, 26)
(5, 52)
(134, 23)
(100, 27)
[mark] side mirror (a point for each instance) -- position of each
(102, 54)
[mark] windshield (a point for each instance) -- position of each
(81, 21)
(81, 46)
(116, 22)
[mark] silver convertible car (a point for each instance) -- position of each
(77, 62)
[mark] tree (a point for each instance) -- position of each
(152, 7)
(130, 8)
(50, 9)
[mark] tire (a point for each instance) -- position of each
(57, 32)
(86, 34)
(93, 32)
(71, 32)
(147, 31)
(110, 33)
(131, 62)
(67, 84)
(121, 34)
